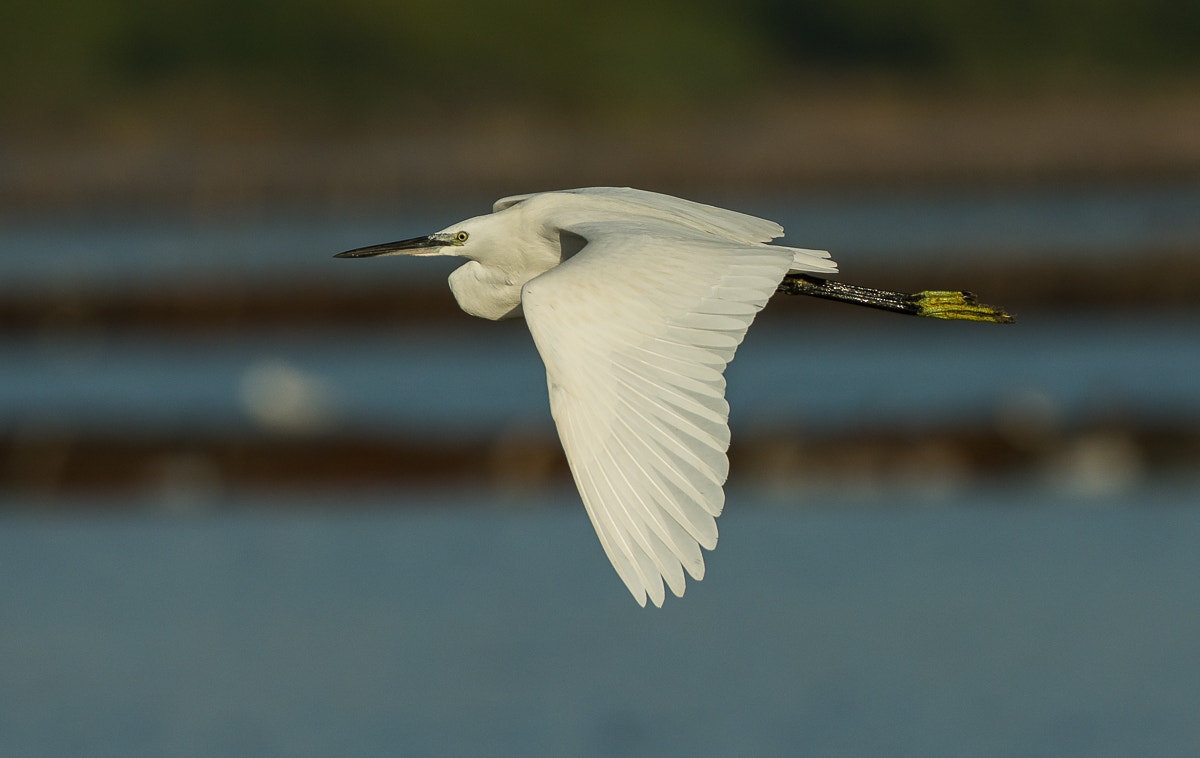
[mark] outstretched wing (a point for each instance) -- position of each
(625, 202)
(636, 330)
(511, 200)
(624, 205)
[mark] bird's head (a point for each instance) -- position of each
(446, 242)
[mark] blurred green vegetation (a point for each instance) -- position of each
(61, 58)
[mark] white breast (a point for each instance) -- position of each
(486, 292)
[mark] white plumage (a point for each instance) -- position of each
(636, 302)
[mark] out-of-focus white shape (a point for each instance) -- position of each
(285, 399)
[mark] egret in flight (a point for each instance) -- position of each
(637, 302)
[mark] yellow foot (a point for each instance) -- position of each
(956, 305)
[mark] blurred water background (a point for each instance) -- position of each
(255, 501)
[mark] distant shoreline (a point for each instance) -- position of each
(803, 141)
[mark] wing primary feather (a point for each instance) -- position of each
(646, 527)
(681, 452)
(679, 422)
(643, 560)
(664, 515)
(702, 374)
(684, 390)
(673, 469)
(701, 529)
(614, 542)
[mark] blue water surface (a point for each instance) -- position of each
(1083, 224)
(984, 630)
(879, 371)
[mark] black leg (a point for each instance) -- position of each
(929, 303)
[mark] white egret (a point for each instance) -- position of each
(637, 302)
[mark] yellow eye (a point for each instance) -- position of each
(461, 237)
